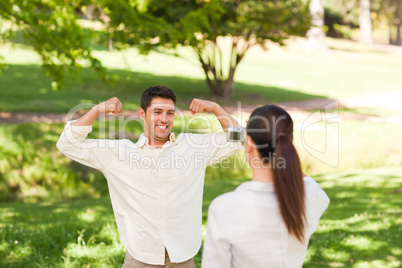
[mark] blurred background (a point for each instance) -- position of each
(335, 65)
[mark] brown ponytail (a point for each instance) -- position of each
(289, 187)
(275, 146)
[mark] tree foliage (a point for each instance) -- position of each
(51, 27)
(202, 24)
(346, 12)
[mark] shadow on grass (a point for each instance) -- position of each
(28, 89)
(70, 234)
(360, 226)
(342, 248)
(32, 169)
(352, 230)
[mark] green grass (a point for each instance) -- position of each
(32, 169)
(343, 145)
(67, 219)
(361, 228)
(264, 76)
(26, 89)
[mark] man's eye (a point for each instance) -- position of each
(157, 112)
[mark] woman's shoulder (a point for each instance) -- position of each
(315, 195)
(228, 199)
(311, 185)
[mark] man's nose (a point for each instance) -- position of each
(163, 118)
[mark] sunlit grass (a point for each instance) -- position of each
(363, 220)
(327, 146)
(274, 75)
(370, 111)
(33, 169)
(362, 230)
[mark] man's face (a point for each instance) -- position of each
(158, 119)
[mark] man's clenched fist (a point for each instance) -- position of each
(202, 106)
(112, 106)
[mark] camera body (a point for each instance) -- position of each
(236, 134)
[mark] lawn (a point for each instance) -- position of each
(57, 213)
(361, 228)
(67, 219)
(32, 169)
(274, 75)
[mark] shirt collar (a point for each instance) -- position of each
(142, 140)
(257, 186)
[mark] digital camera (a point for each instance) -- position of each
(236, 134)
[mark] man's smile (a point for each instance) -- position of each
(162, 127)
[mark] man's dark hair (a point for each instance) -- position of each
(156, 92)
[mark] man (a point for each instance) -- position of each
(156, 184)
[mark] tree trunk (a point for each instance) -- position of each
(366, 31)
(229, 83)
(316, 34)
(398, 20)
(221, 88)
(212, 65)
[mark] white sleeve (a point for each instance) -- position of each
(317, 200)
(93, 153)
(219, 148)
(217, 248)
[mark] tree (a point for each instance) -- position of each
(398, 22)
(369, 14)
(316, 34)
(202, 24)
(389, 11)
(366, 31)
(245, 23)
(51, 28)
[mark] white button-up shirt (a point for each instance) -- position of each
(156, 194)
(245, 228)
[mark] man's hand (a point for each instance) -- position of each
(112, 106)
(202, 106)
(225, 119)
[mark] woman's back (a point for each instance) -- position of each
(266, 222)
(246, 229)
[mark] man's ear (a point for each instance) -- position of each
(142, 113)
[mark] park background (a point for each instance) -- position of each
(343, 90)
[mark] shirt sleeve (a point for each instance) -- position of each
(94, 153)
(217, 248)
(317, 200)
(219, 148)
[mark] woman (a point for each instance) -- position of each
(268, 221)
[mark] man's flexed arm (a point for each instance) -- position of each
(94, 153)
(111, 106)
(225, 119)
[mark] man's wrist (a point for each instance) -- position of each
(95, 110)
(216, 109)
